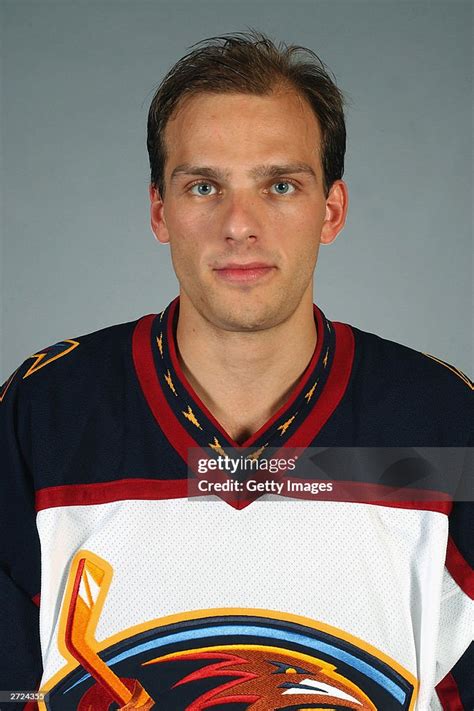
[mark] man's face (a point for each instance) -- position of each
(244, 207)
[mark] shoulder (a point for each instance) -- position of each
(390, 360)
(71, 364)
(63, 408)
(416, 392)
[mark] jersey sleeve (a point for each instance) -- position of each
(455, 664)
(20, 656)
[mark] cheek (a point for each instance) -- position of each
(302, 236)
(305, 217)
(183, 252)
(189, 229)
(186, 252)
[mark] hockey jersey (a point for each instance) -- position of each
(134, 578)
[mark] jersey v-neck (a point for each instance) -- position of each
(187, 422)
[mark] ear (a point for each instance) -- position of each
(158, 222)
(337, 203)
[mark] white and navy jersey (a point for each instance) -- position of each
(122, 588)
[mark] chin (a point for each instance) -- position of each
(253, 317)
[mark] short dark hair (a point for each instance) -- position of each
(250, 63)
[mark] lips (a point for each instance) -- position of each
(251, 271)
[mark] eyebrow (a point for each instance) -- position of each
(260, 171)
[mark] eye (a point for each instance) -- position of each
(283, 187)
(282, 668)
(202, 189)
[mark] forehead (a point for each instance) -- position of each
(236, 127)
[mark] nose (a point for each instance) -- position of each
(241, 219)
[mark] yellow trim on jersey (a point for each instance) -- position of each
(169, 382)
(189, 415)
(462, 376)
(310, 392)
(7, 384)
(38, 364)
(159, 341)
(286, 424)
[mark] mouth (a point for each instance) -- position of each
(250, 272)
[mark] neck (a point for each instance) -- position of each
(243, 378)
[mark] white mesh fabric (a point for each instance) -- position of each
(373, 572)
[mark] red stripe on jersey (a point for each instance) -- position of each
(459, 569)
(309, 370)
(448, 694)
(182, 441)
(173, 430)
(36, 599)
(333, 392)
(375, 494)
(107, 492)
(177, 368)
(301, 384)
(153, 490)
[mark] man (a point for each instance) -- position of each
(269, 594)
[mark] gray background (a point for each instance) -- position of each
(76, 81)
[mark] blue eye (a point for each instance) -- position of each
(283, 187)
(202, 189)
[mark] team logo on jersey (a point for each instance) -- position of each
(46, 356)
(225, 660)
(42, 358)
